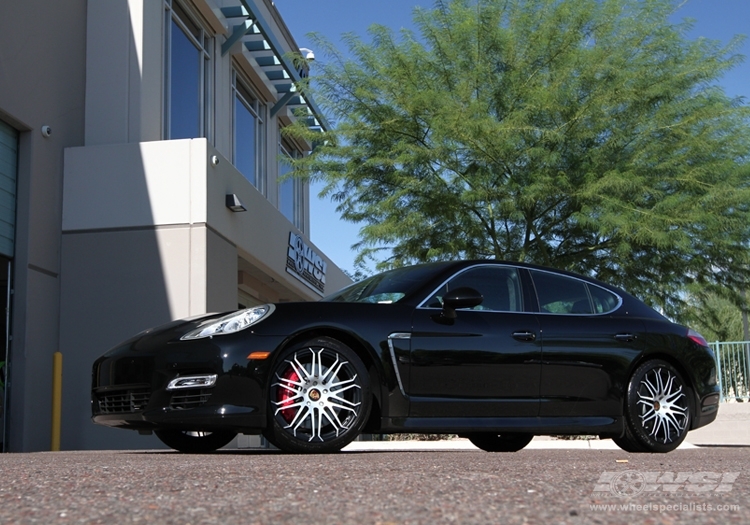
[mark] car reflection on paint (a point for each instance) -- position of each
(496, 352)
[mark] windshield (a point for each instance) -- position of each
(387, 287)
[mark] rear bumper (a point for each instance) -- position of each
(707, 411)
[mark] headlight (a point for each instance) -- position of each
(231, 323)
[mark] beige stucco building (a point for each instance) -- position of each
(140, 156)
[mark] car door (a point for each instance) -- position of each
(586, 348)
(483, 363)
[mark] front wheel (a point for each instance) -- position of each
(657, 409)
(194, 442)
(490, 442)
(319, 397)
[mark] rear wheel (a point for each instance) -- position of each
(490, 442)
(657, 409)
(194, 442)
(627, 441)
(319, 397)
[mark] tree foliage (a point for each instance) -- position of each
(716, 316)
(587, 135)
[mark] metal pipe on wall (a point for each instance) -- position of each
(56, 400)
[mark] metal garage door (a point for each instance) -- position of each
(8, 168)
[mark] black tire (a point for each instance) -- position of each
(627, 442)
(319, 397)
(489, 442)
(657, 409)
(194, 442)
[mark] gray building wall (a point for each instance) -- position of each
(42, 82)
(113, 281)
(118, 230)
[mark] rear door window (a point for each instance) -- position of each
(560, 294)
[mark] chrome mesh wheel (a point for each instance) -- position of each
(663, 405)
(319, 397)
(657, 409)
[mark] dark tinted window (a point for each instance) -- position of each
(500, 286)
(386, 287)
(604, 301)
(559, 294)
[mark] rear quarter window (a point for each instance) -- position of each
(560, 294)
(604, 300)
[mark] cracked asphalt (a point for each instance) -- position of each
(703, 485)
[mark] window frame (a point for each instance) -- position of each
(587, 286)
(529, 294)
(298, 197)
(243, 94)
(424, 304)
(203, 40)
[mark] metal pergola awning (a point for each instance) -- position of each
(250, 28)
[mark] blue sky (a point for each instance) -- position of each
(715, 19)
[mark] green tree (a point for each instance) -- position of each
(587, 135)
(715, 317)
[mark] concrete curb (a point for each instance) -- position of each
(731, 427)
(540, 442)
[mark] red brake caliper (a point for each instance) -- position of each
(285, 395)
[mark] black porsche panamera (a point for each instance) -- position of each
(496, 352)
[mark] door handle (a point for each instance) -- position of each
(625, 338)
(524, 336)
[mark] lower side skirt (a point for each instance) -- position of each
(531, 425)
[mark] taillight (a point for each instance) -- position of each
(697, 338)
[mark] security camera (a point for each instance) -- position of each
(46, 131)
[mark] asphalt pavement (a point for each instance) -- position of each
(423, 485)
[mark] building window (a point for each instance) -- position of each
(248, 133)
(291, 196)
(187, 84)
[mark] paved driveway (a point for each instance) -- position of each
(697, 485)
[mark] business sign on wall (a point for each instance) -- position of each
(305, 264)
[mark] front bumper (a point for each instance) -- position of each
(250, 420)
(129, 384)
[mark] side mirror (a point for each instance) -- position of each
(464, 297)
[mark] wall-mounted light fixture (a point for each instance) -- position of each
(234, 204)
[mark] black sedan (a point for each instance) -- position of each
(496, 352)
